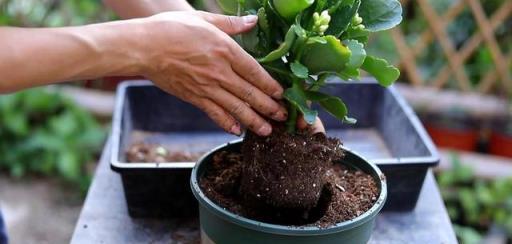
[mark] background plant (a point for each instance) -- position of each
(475, 205)
(459, 30)
(304, 42)
(46, 133)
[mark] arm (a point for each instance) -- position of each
(127, 9)
(187, 54)
(35, 57)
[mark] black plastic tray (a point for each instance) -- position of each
(388, 133)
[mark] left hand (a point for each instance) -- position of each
(317, 127)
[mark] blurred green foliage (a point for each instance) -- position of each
(43, 132)
(432, 59)
(474, 204)
(53, 13)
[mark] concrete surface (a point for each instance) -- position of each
(38, 210)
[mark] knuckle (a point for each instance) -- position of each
(238, 108)
(248, 93)
(231, 22)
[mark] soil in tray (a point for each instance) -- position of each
(346, 194)
(154, 153)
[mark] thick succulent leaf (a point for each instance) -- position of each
(296, 96)
(349, 120)
(228, 6)
(250, 41)
(263, 21)
(358, 54)
(299, 70)
(384, 72)
(360, 35)
(231, 6)
(283, 48)
(289, 9)
(333, 105)
(316, 39)
(349, 74)
(380, 15)
(331, 56)
(341, 17)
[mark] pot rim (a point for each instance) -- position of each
(205, 202)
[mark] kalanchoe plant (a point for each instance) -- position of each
(304, 42)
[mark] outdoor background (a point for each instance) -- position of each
(455, 57)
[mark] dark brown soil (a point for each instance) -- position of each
(286, 170)
(346, 194)
(153, 153)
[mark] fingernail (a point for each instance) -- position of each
(265, 130)
(250, 19)
(279, 116)
(277, 95)
(235, 129)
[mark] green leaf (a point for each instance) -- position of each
(316, 39)
(380, 15)
(361, 35)
(296, 96)
(289, 9)
(299, 70)
(333, 105)
(349, 74)
(228, 6)
(330, 56)
(283, 49)
(250, 40)
(385, 73)
(358, 54)
(231, 6)
(349, 120)
(341, 18)
(263, 21)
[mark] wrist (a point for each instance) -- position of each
(117, 48)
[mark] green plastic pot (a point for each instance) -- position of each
(221, 226)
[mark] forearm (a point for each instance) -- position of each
(34, 57)
(127, 9)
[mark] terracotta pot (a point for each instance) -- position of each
(500, 144)
(465, 139)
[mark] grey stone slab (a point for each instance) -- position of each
(104, 218)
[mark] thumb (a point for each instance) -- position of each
(231, 25)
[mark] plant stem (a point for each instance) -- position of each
(277, 70)
(291, 123)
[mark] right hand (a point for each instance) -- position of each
(191, 56)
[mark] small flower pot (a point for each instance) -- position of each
(500, 142)
(453, 138)
(455, 130)
(221, 226)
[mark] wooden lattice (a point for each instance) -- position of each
(498, 77)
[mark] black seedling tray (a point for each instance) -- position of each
(387, 133)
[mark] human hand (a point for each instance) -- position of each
(317, 127)
(191, 56)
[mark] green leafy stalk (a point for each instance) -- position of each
(304, 42)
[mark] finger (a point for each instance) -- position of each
(250, 70)
(255, 98)
(221, 117)
(231, 25)
(316, 127)
(241, 111)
